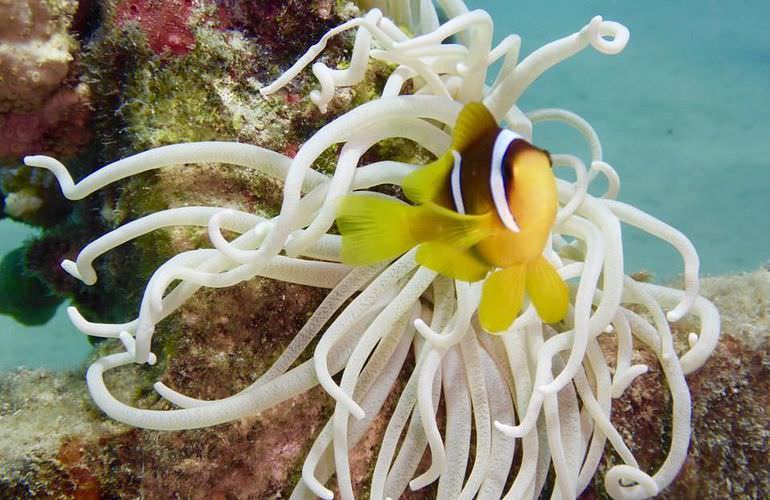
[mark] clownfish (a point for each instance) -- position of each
(486, 205)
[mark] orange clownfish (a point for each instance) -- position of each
(487, 204)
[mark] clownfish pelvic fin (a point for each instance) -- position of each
(502, 296)
(455, 263)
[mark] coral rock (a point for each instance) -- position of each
(35, 50)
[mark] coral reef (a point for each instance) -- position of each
(56, 443)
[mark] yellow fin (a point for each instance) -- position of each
(425, 183)
(435, 223)
(373, 228)
(473, 121)
(547, 291)
(502, 298)
(452, 262)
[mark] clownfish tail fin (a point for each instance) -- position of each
(473, 122)
(373, 228)
(547, 290)
(425, 183)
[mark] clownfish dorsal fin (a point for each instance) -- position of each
(473, 122)
(424, 184)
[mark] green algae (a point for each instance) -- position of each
(23, 295)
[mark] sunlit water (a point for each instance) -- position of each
(682, 114)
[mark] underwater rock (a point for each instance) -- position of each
(730, 401)
(56, 443)
(146, 93)
(43, 107)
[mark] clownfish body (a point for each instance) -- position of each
(489, 202)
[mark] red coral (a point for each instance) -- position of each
(164, 23)
(60, 127)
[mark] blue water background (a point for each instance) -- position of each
(682, 113)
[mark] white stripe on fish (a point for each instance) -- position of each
(497, 181)
(454, 181)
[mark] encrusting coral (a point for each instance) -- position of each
(516, 406)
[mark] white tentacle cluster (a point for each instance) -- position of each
(548, 392)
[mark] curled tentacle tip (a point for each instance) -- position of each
(548, 389)
(128, 342)
(423, 328)
(262, 229)
(315, 486)
(37, 160)
(609, 329)
(621, 481)
(74, 315)
(508, 430)
(151, 359)
(594, 23)
(692, 339)
(609, 37)
(415, 485)
(675, 315)
(72, 269)
(463, 69)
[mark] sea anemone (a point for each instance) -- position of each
(547, 389)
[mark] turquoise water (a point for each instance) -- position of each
(55, 345)
(682, 114)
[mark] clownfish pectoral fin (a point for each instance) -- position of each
(472, 123)
(373, 228)
(436, 223)
(501, 298)
(547, 291)
(452, 262)
(425, 183)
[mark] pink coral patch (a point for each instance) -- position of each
(164, 23)
(60, 127)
